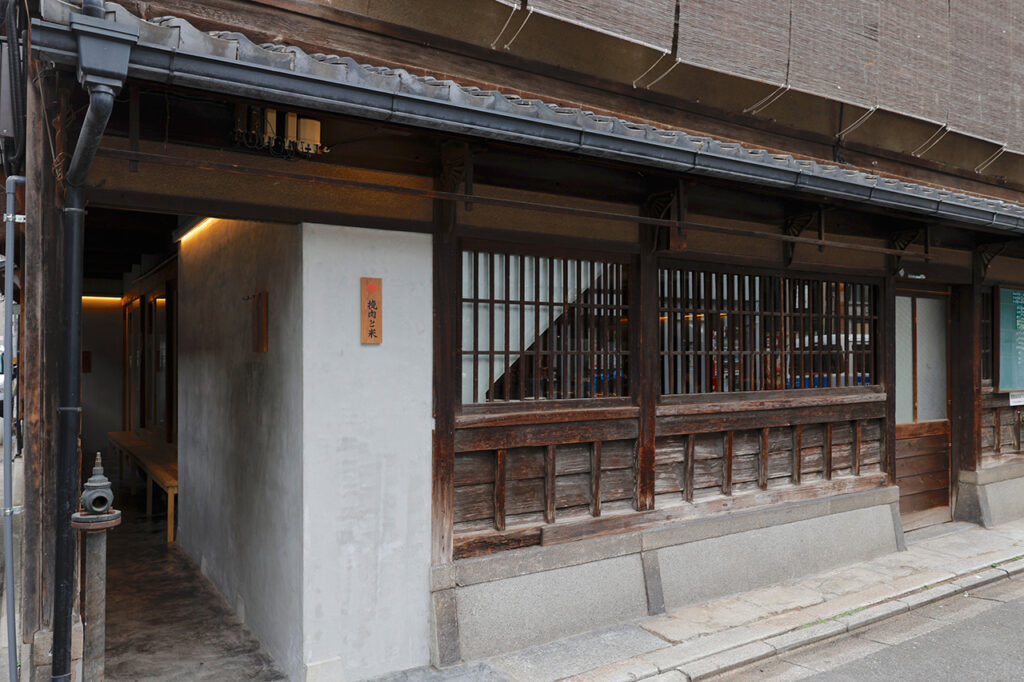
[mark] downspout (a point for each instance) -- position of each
(9, 353)
(104, 48)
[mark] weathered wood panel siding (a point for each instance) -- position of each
(537, 491)
(1000, 434)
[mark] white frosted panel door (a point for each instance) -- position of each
(904, 359)
(931, 359)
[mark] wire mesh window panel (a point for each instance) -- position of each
(725, 332)
(542, 328)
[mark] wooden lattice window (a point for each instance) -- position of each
(728, 332)
(538, 327)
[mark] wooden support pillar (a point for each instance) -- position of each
(762, 467)
(550, 481)
(644, 343)
(499, 489)
(727, 449)
(886, 306)
(447, 273)
(827, 452)
(798, 457)
(965, 374)
(691, 453)
(48, 98)
(595, 479)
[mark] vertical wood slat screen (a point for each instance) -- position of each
(648, 22)
(835, 53)
(981, 79)
(913, 59)
(954, 63)
(543, 328)
(748, 38)
(728, 332)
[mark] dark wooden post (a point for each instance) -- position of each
(965, 375)
(645, 347)
(41, 316)
(886, 345)
(447, 272)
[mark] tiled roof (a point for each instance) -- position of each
(715, 157)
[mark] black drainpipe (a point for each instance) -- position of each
(104, 48)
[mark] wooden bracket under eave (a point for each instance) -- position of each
(904, 238)
(794, 226)
(987, 253)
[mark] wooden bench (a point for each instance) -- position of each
(159, 463)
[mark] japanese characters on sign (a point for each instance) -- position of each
(371, 309)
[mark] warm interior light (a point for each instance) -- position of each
(102, 299)
(201, 225)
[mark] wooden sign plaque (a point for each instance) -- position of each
(370, 310)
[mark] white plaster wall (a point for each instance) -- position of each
(367, 451)
(101, 387)
(240, 425)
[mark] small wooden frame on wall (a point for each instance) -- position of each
(259, 322)
(371, 310)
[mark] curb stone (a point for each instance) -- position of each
(736, 655)
(806, 635)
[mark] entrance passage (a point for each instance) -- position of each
(922, 409)
(165, 621)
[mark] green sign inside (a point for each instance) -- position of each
(1011, 339)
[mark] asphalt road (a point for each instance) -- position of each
(977, 637)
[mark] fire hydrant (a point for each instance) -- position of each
(95, 519)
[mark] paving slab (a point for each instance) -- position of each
(702, 647)
(670, 676)
(468, 672)
(899, 628)
(966, 544)
(704, 668)
(914, 537)
(773, 669)
(980, 562)
(915, 558)
(979, 579)
(676, 630)
(872, 614)
(772, 600)
(832, 653)
(851, 579)
(956, 608)
(1014, 566)
(835, 607)
(806, 635)
(1003, 590)
(691, 621)
(630, 670)
(577, 654)
(929, 595)
(1011, 531)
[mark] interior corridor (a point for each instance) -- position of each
(165, 620)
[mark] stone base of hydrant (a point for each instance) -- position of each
(42, 654)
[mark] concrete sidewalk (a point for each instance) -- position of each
(701, 641)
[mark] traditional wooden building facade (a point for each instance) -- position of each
(675, 299)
